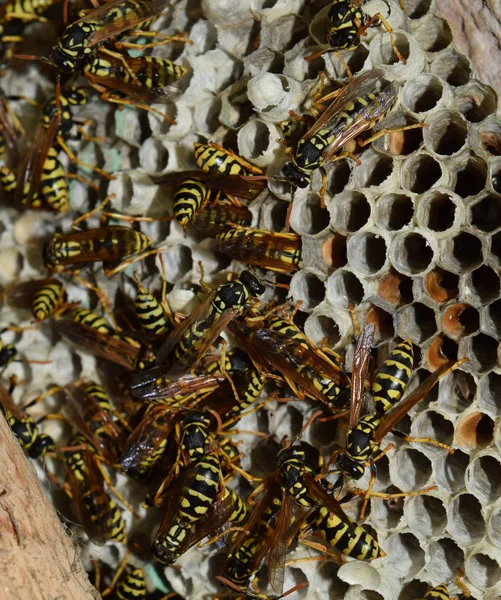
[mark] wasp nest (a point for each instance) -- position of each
(410, 236)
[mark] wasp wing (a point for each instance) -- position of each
(361, 359)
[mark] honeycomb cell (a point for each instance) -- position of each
(398, 141)
(395, 289)
(482, 570)
(476, 101)
(474, 430)
(435, 426)
(424, 93)
(439, 211)
(489, 394)
(257, 142)
(308, 289)
(426, 516)
(416, 9)
(441, 350)
(449, 470)
(410, 469)
(494, 527)
(462, 252)
(405, 557)
(420, 172)
(453, 67)
(460, 320)
(483, 478)
(344, 288)
(272, 214)
(383, 323)
(412, 253)
(465, 522)
(482, 285)
(445, 558)
(417, 322)
(495, 253)
(433, 34)
(350, 211)
(446, 134)
(338, 177)
(178, 262)
(387, 513)
(153, 156)
(486, 212)
(489, 134)
(325, 329)
(460, 389)
(376, 169)
(441, 285)
(483, 353)
(383, 55)
(471, 177)
(334, 251)
(394, 211)
(366, 252)
(413, 589)
(307, 216)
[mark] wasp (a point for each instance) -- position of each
(218, 218)
(110, 244)
(440, 592)
(48, 299)
(24, 427)
(151, 313)
(279, 252)
(365, 433)
(189, 341)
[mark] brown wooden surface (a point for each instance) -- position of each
(37, 558)
(476, 26)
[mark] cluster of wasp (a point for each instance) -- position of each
(174, 392)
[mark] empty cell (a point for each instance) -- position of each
(416, 9)
(482, 570)
(351, 211)
(476, 101)
(460, 390)
(308, 217)
(484, 351)
(410, 469)
(383, 53)
(382, 321)
(273, 214)
(254, 139)
(489, 393)
(422, 93)
(490, 138)
(411, 253)
(178, 262)
(344, 288)
(323, 329)
(307, 289)
(471, 178)
(418, 322)
(338, 177)
(394, 211)
(445, 559)
(447, 133)
(460, 320)
(433, 425)
(420, 173)
(426, 516)
(486, 213)
(334, 251)
(413, 589)
(449, 470)
(387, 513)
(474, 430)
(375, 171)
(485, 284)
(465, 522)
(453, 67)
(496, 247)
(467, 250)
(405, 557)
(483, 478)
(441, 285)
(439, 211)
(433, 34)
(366, 252)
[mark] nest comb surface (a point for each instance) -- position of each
(411, 237)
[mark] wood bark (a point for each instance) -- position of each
(37, 558)
(476, 26)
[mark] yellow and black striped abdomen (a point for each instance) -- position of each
(53, 184)
(150, 312)
(200, 491)
(132, 586)
(157, 72)
(392, 378)
(346, 536)
(188, 199)
(8, 179)
(47, 300)
(91, 319)
(439, 592)
(211, 159)
(97, 393)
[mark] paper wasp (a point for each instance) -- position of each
(219, 217)
(48, 299)
(365, 433)
(279, 252)
(152, 314)
(110, 244)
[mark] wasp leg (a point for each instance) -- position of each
(424, 440)
(81, 163)
(387, 26)
(382, 132)
(165, 39)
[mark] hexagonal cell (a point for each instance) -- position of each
(447, 132)
(482, 570)
(426, 516)
(445, 559)
(334, 251)
(420, 173)
(383, 53)
(489, 394)
(495, 253)
(449, 470)
(308, 289)
(460, 320)
(394, 211)
(494, 527)
(483, 478)
(412, 253)
(387, 513)
(399, 141)
(453, 67)
(350, 211)
(463, 252)
(476, 101)
(178, 262)
(474, 430)
(433, 34)
(433, 425)
(344, 288)
(490, 137)
(486, 212)
(324, 329)
(413, 589)
(441, 350)
(366, 252)
(410, 469)
(307, 216)
(422, 93)
(483, 352)
(465, 522)
(382, 321)
(462, 389)
(437, 211)
(338, 177)
(405, 557)
(376, 169)
(395, 289)
(483, 284)
(417, 322)
(471, 178)
(441, 285)
(416, 9)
